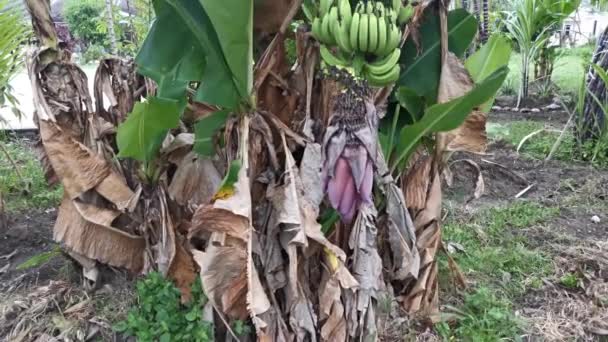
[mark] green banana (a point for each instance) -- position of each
(380, 9)
(369, 7)
(316, 29)
(397, 4)
(382, 80)
(330, 58)
(325, 34)
(354, 30)
(392, 16)
(372, 33)
(346, 13)
(324, 6)
(363, 32)
(333, 19)
(341, 35)
(385, 64)
(359, 8)
(382, 37)
(405, 14)
(394, 38)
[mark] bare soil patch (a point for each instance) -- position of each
(577, 246)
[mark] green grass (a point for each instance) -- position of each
(482, 317)
(539, 145)
(498, 260)
(30, 192)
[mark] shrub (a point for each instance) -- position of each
(160, 316)
(83, 17)
(94, 53)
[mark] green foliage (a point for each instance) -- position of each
(489, 58)
(192, 51)
(83, 18)
(30, 190)
(483, 317)
(530, 24)
(40, 259)
(421, 69)
(539, 145)
(447, 116)
(14, 33)
(509, 87)
(141, 135)
(205, 130)
(569, 280)
(187, 33)
(93, 53)
(160, 316)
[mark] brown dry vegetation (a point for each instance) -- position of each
(566, 301)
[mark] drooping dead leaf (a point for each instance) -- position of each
(455, 82)
(229, 248)
(224, 277)
(367, 270)
(78, 168)
(117, 80)
(87, 230)
(195, 181)
(425, 206)
(479, 183)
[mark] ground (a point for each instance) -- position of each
(536, 267)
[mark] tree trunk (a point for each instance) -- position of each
(486, 21)
(110, 23)
(593, 117)
(523, 88)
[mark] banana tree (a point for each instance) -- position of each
(300, 193)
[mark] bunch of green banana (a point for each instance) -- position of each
(369, 32)
(371, 29)
(384, 71)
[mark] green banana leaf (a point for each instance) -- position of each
(494, 54)
(448, 116)
(233, 23)
(421, 69)
(141, 134)
(205, 129)
(191, 52)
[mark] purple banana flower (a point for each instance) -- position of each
(350, 153)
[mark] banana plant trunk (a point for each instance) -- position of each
(110, 23)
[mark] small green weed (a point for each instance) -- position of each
(482, 317)
(40, 259)
(30, 190)
(160, 316)
(569, 280)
